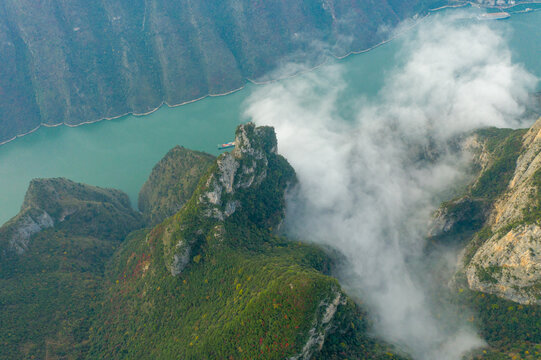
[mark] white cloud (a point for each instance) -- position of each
(369, 184)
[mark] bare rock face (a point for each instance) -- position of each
(247, 183)
(508, 263)
(26, 224)
(321, 325)
(245, 167)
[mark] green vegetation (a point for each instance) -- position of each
(242, 292)
(504, 147)
(532, 214)
(349, 340)
(229, 302)
(172, 182)
(486, 274)
(49, 293)
(510, 329)
(232, 301)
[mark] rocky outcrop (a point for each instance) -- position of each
(323, 322)
(80, 61)
(245, 167)
(505, 258)
(20, 229)
(68, 206)
(509, 265)
(247, 183)
(172, 182)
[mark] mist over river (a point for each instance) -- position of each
(121, 153)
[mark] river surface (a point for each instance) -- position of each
(120, 153)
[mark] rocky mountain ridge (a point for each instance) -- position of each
(212, 280)
(497, 219)
(508, 263)
(63, 203)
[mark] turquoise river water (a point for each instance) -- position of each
(120, 153)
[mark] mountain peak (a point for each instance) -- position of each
(62, 203)
(245, 186)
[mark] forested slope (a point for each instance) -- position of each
(79, 61)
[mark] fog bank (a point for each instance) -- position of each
(368, 184)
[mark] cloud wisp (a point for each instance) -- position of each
(368, 184)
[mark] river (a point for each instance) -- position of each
(120, 153)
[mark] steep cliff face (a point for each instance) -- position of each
(508, 263)
(495, 222)
(499, 216)
(79, 61)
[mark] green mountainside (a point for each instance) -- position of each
(212, 278)
(497, 222)
(172, 182)
(52, 262)
(212, 281)
(65, 205)
(77, 61)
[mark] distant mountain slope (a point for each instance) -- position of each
(497, 223)
(51, 269)
(79, 61)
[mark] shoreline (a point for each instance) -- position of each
(504, 6)
(350, 53)
(247, 80)
(416, 22)
(121, 115)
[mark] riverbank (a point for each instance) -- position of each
(394, 35)
(415, 22)
(102, 154)
(163, 103)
